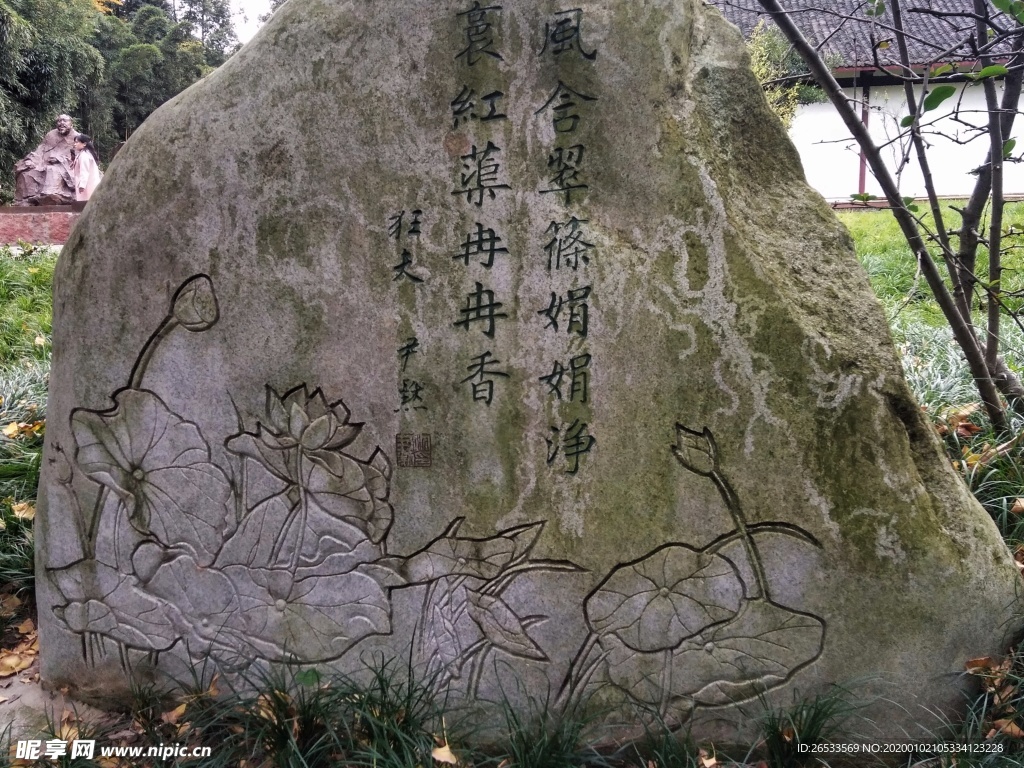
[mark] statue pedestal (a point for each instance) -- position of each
(38, 224)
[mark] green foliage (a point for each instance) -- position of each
(274, 5)
(538, 735)
(875, 8)
(383, 717)
(149, 58)
(938, 95)
(22, 404)
(107, 70)
(781, 72)
(45, 59)
(210, 21)
(127, 8)
(771, 60)
(993, 70)
(25, 305)
(935, 367)
(662, 747)
(17, 553)
(804, 724)
(892, 268)
(1013, 7)
(938, 376)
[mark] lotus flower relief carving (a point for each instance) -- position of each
(158, 465)
(300, 443)
(657, 602)
(680, 628)
(303, 573)
(298, 572)
(194, 305)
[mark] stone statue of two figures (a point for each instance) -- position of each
(45, 175)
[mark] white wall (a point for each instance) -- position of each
(832, 162)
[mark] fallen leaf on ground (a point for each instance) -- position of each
(12, 663)
(1009, 728)
(174, 715)
(265, 706)
(9, 604)
(1004, 695)
(980, 665)
(967, 429)
(443, 754)
(23, 510)
(955, 415)
(18, 429)
(26, 627)
(706, 760)
(28, 646)
(989, 453)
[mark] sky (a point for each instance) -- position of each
(251, 9)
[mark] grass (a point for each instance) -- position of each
(383, 717)
(539, 736)
(892, 268)
(786, 733)
(25, 305)
(23, 405)
(25, 309)
(663, 747)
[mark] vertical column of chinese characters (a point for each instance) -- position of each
(411, 449)
(475, 109)
(565, 243)
(404, 229)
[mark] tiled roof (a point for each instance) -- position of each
(847, 35)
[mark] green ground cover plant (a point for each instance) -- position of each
(384, 718)
(26, 306)
(896, 278)
(26, 276)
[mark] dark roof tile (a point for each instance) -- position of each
(847, 35)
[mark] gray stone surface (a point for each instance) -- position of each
(509, 335)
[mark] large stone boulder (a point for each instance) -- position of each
(509, 336)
